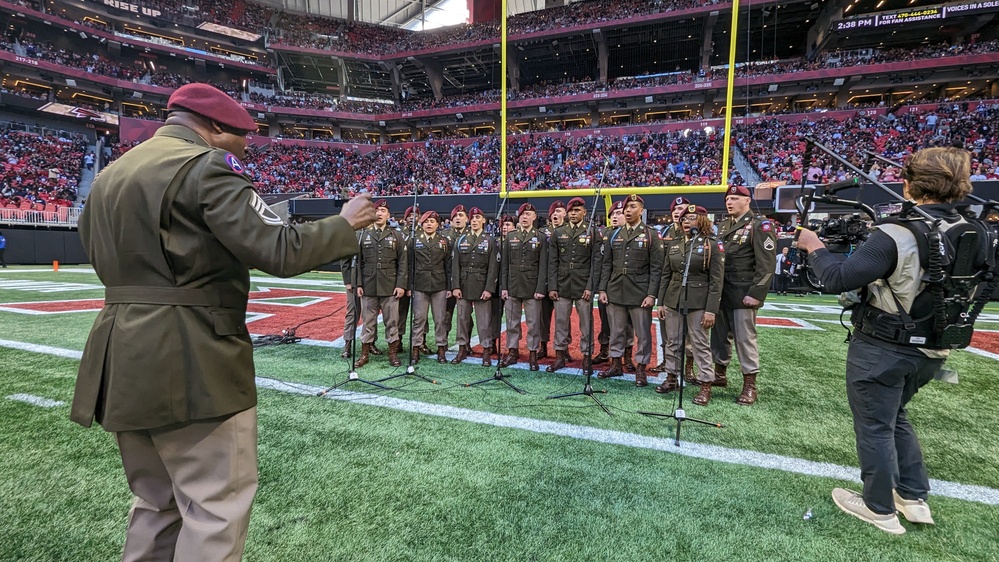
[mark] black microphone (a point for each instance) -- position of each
(694, 231)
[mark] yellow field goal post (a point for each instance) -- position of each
(608, 192)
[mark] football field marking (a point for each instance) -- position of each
(35, 400)
(967, 492)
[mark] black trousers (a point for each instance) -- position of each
(881, 379)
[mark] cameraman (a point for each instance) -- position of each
(881, 377)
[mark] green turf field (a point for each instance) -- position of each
(447, 472)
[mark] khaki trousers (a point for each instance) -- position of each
(698, 342)
(740, 325)
(194, 485)
(389, 307)
(532, 310)
(436, 303)
(563, 323)
(350, 319)
(483, 317)
(641, 320)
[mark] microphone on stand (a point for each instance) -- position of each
(694, 231)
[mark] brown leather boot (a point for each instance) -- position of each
(487, 356)
(425, 350)
(660, 368)
(414, 356)
(393, 353)
(375, 350)
(748, 396)
(640, 378)
(628, 364)
(462, 355)
(720, 378)
(346, 352)
(363, 359)
(561, 358)
(441, 357)
(544, 350)
(532, 360)
(512, 356)
(669, 385)
(688, 369)
(603, 356)
(615, 369)
(703, 395)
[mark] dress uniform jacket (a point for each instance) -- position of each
(704, 279)
(432, 254)
(750, 258)
(524, 268)
(632, 265)
(474, 265)
(574, 260)
(383, 263)
(185, 225)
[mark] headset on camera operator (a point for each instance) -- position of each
(912, 276)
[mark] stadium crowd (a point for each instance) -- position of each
(39, 170)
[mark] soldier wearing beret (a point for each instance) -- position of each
(677, 207)
(700, 298)
(573, 272)
(459, 227)
(616, 215)
(407, 226)
(523, 278)
(556, 218)
(750, 259)
(172, 228)
(507, 223)
(352, 315)
(632, 267)
(474, 277)
(431, 278)
(380, 278)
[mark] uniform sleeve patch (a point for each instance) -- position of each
(766, 226)
(234, 163)
(721, 246)
(769, 245)
(265, 213)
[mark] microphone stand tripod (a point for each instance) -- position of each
(678, 414)
(498, 375)
(352, 374)
(411, 287)
(588, 366)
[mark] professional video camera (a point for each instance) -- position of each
(841, 235)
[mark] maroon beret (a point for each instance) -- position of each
(634, 197)
(678, 201)
(575, 202)
(507, 218)
(524, 208)
(738, 190)
(457, 209)
(475, 211)
(381, 203)
(410, 211)
(555, 205)
(430, 215)
(695, 209)
(212, 103)
(617, 205)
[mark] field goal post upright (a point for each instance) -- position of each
(608, 192)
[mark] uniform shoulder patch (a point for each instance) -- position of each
(234, 163)
(265, 213)
(721, 246)
(766, 226)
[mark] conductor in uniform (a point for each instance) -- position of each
(523, 279)
(750, 259)
(172, 228)
(629, 284)
(431, 278)
(573, 273)
(380, 279)
(474, 277)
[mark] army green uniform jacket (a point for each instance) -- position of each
(432, 255)
(171, 229)
(750, 258)
(574, 260)
(524, 264)
(383, 263)
(704, 279)
(474, 265)
(632, 265)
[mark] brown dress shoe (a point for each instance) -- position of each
(425, 350)
(544, 350)
(393, 353)
(441, 357)
(720, 378)
(462, 355)
(363, 360)
(375, 350)
(614, 371)
(603, 356)
(512, 356)
(346, 353)
(688, 370)
(748, 396)
(414, 356)
(561, 358)
(640, 378)
(660, 368)
(628, 364)
(532, 360)
(703, 395)
(669, 385)
(487, 356)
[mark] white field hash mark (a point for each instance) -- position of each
(35, 400)
(967, 492)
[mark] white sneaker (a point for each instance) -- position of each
(853, 503)
(914, 511)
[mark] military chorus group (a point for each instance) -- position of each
(540, 272)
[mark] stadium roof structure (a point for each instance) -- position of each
(392, 13)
